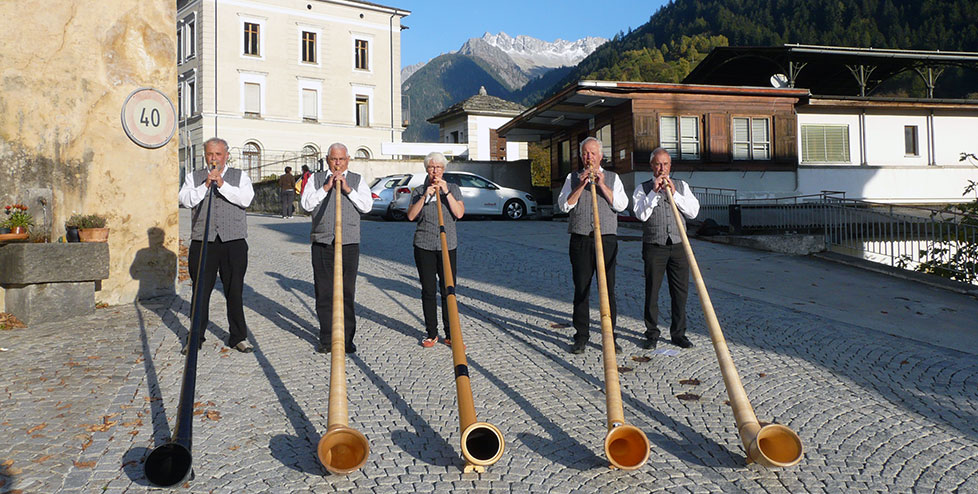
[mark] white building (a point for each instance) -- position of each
(473, 122)
(281, 80)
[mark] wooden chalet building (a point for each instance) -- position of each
(775, 122)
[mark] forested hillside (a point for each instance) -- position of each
(681, 33)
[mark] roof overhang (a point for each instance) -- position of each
(580, 102)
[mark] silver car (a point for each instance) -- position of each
(382, 191)
(480, 195)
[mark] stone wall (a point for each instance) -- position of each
(67, 71)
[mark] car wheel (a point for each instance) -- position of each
(395, 214)
(514, 209)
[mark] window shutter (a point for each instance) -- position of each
(741, 138)
(309, 104)
(252, 98)
(718, 128)
(690, 135)
(760, 140)
(668, 130)
(785, 143)
(837, 143)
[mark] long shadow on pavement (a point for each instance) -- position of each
(424, 443)
(678, 450)
(560, 447)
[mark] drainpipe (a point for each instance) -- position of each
(391, 27)
(215, 68)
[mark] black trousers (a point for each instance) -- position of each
(230, 259)
(286, 197)
(669, 260)
(429, 265)
(322, 273)
(583, 265)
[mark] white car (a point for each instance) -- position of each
(480, 195)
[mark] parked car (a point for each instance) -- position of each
(481, 196)
(383, 190)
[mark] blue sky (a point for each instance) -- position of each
(438, 27)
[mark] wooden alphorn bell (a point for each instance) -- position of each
(771, 445)
(482, 442)
(342, 449)
(626, 446)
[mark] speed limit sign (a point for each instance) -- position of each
(148, 118)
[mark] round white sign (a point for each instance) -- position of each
(148, 118)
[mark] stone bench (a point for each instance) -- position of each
(51, 282)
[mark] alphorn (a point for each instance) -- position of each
(626, 446)
(171, 463)
(482, 442)
(342, 449)
(771, 445)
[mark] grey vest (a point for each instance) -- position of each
(661, 225)
(228, 220)
(324, 216)
(581, 218)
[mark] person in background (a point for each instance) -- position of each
(286, 193)
(662, 249)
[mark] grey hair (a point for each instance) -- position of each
(217, 140)
(589, 139)
(338, 145)
(435, 156)
(658, 150)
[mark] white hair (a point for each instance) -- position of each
(435, 157)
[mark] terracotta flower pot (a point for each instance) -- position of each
(93, 234)
(18, 229)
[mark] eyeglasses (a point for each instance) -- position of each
(434, 168)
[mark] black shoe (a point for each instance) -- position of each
(351, 348)
(578, 347)
(650, 343)
(323, 348)
(682, 342)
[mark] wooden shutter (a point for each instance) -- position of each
(718, 131)
(645, 138)
(785, 138)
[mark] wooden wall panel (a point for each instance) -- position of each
(718, 137)
(785, 138)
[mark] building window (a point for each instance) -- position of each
(604, 135)
(191, 37)
(308, 47)
(680, 136)
(751, 139)
(454, 137)
(251, 39)
(179, 45)
(252, 99)
(360, 54)
(363, 111)
(362, 154)
(310, 105)
(910, 144)
(191, 97)
(180, 105)
(825, 143)
(310, 156)
(564, 158)
(251, 161)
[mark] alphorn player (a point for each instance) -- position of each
(318, 200)
(227, 249)
(575, 199)
(662, 247)
(427, 241)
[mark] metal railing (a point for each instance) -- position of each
(935, 241)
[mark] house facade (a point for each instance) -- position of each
(280, 80)
(802, 134)
(474, 122)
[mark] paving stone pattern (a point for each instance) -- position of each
(85, 401)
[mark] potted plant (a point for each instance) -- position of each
(71, 227)
(18, 219)
(91, 227)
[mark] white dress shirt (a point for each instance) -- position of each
(361, 197)
(241, 195)
(619, 203)
(643, 204)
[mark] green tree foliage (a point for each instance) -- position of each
(954, 252)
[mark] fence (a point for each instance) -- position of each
(929, 240)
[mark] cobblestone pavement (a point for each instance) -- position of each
(85, 401)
